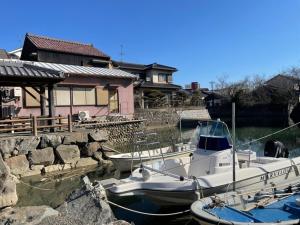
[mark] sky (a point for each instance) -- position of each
(203, 39)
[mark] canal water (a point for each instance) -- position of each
(54, 190)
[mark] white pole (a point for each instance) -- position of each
(233, 146)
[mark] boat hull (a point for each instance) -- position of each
(184, 192)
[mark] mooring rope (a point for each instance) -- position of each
(148, 214)
(29, 185)
(268, 135)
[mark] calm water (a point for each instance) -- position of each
(53, 190)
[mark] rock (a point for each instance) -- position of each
(90, 148)
(85, 162)
(42, 157)
(55, 168)
(27, 144)
(6, 155)
(4, 172)
(79, 137)
(69, 140)
(108, 165)
(97, 156)
(15, 152)
(30, 173)
(50, 140)
(37, 167)
(98, 135)
(18, 164)
(86, 207)
(68, 153)
(29, 215)
(8, 194)
(7, 145)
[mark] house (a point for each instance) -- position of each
(89, 82)
(45, 49)
(4, 54)
(153, 80)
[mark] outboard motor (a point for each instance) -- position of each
(275, 149)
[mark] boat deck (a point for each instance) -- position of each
(281, 210)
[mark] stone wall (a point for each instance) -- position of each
(158, 117)
(28, 155)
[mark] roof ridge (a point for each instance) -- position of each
(60, 40)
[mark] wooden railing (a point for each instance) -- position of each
(34, 124)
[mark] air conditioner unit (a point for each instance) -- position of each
(83, 115)
(17, 92)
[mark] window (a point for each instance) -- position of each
(62, 96)
(162, 78)
(84, 96)
(102, 96)
(32, 98)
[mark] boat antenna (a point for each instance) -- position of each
(233, 146)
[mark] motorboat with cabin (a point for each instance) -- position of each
(208, 170)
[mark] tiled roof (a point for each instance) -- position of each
(158, 85)
(160, 66)
(3, 54)
(20, 69)
(127, 65)
(86, 70)
(58, 45)
(78, 70)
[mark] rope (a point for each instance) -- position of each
(148, 214)
(258, 139)
(29, 185)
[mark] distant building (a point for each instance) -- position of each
(151, 77)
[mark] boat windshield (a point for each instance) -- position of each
(212, 131)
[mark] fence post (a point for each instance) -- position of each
(69, 123)
(34, 126)
(60, 122)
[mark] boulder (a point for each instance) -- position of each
(86, 206)
(69, 140)
(90, 148)
(7, 145)
(8, 194)
(68, 153)
(79, 137)
(4, 172)
(18, 164)
(42, 157)
(29, 215)
(50, 140)
(27, 144)
(98, 135)
(85, 162)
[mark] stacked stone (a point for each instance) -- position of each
(28, 156)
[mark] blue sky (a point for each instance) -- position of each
(204, 39)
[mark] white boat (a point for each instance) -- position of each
(182, 180)
(240, 208)
(126, 161)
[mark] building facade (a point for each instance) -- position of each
(154, 84)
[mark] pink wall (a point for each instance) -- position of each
(125, 93)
